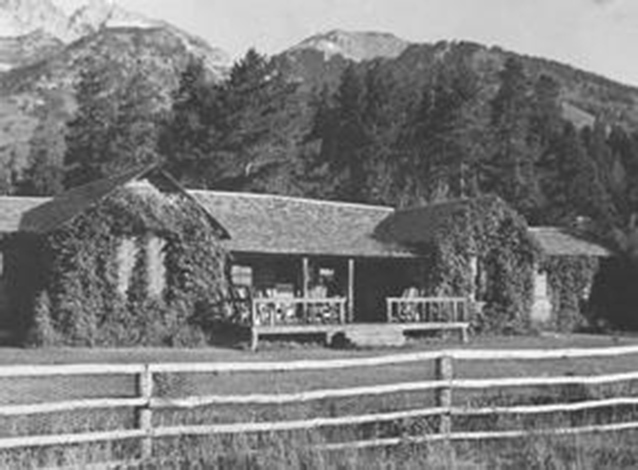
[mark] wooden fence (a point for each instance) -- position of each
(444, 385)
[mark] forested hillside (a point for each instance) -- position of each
(423, 123)
(432, 124)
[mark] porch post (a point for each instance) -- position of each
(305, 286)
(305, 277)
(350, 290)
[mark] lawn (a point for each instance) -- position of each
(29, 390)
(58, 388)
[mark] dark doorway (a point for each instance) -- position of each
(375, 281)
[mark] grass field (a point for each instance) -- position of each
(31, 390)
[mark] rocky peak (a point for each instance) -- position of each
(21, 17)
(98, 14)
(356, 46)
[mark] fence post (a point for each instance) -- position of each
(145, 416)
(444, 370)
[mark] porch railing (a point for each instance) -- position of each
(298, 311)
(427, 310)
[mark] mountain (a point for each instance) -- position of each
(355, 46)
(390, 129)
(321, 58)
(44, 49)
(21, 17)
(19, 51)
(38, 28)
(285, 138)
(31, 94)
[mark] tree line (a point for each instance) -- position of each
(376, 138)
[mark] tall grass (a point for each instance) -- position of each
(302, 450)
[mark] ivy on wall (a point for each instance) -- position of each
(66, 282)
(570, 280)
(488, 229)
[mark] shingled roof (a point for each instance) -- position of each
(67, 205)
(52, 213)
(419, 225)
(259, 223)
(556, 241)
(284, 225)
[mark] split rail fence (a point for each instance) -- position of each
(444, 386)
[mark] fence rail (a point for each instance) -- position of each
(443, 385)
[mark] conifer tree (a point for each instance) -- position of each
(513, 163)
(45, 174)
(89, 133)
(190, 137)
(115, 127)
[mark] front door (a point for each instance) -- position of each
(375, 281)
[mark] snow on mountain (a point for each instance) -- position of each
(98, 14)
(356, 46)
(32, 29)
(21, 17)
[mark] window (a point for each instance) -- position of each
(126, 260)
(242, 275)
(541, 286)
(155, 258)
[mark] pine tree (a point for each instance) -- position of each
(89, 133)
(260, 109)
(512, 172)
(114, 127)
(45, 174)
(190, 137)
(575, 187)
(382, 125)
(546, 120)
(342, 131)
(443, 146)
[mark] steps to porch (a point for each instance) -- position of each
(357, 334)
(370, 336)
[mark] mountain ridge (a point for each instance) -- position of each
(46, 69)
(20, 20)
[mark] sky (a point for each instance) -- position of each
(596, 35)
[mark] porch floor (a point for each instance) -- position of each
(360, 334)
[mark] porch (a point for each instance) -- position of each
(287, 296)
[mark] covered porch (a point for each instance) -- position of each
(302, 266)
(329, 295)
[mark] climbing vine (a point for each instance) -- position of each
(77, 298)
(570, 279)
(489, 231)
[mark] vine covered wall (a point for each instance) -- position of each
(69, 287)
(488, 230)
(571, 280)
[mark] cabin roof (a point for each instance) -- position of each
(67, 205)
(269, 224)
(284, 225)
(555, 241)
(43, 215)
(422, 225)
